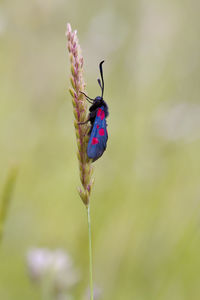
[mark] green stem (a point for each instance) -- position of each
(90, 251)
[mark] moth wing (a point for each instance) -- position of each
(98, 138)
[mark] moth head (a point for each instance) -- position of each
(98, 99)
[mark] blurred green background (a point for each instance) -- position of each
(145, 202)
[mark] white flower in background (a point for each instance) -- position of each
(56, 265)
(38, 261)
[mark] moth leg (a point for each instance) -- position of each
(90, 118)
(90, 100)
(82, 123)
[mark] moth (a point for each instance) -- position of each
(98, 112)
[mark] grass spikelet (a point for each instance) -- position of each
(80, 112)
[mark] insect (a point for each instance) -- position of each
(97, 117)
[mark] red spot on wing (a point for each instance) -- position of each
(101, 131)
(97, 126)
(99, 112)
(95, 141)
(102, 115)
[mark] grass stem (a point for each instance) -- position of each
(90, 251)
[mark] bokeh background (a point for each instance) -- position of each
(146, 200)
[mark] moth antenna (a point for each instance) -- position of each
(102, 81)
(99, 82)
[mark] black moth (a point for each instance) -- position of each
(97, 117)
